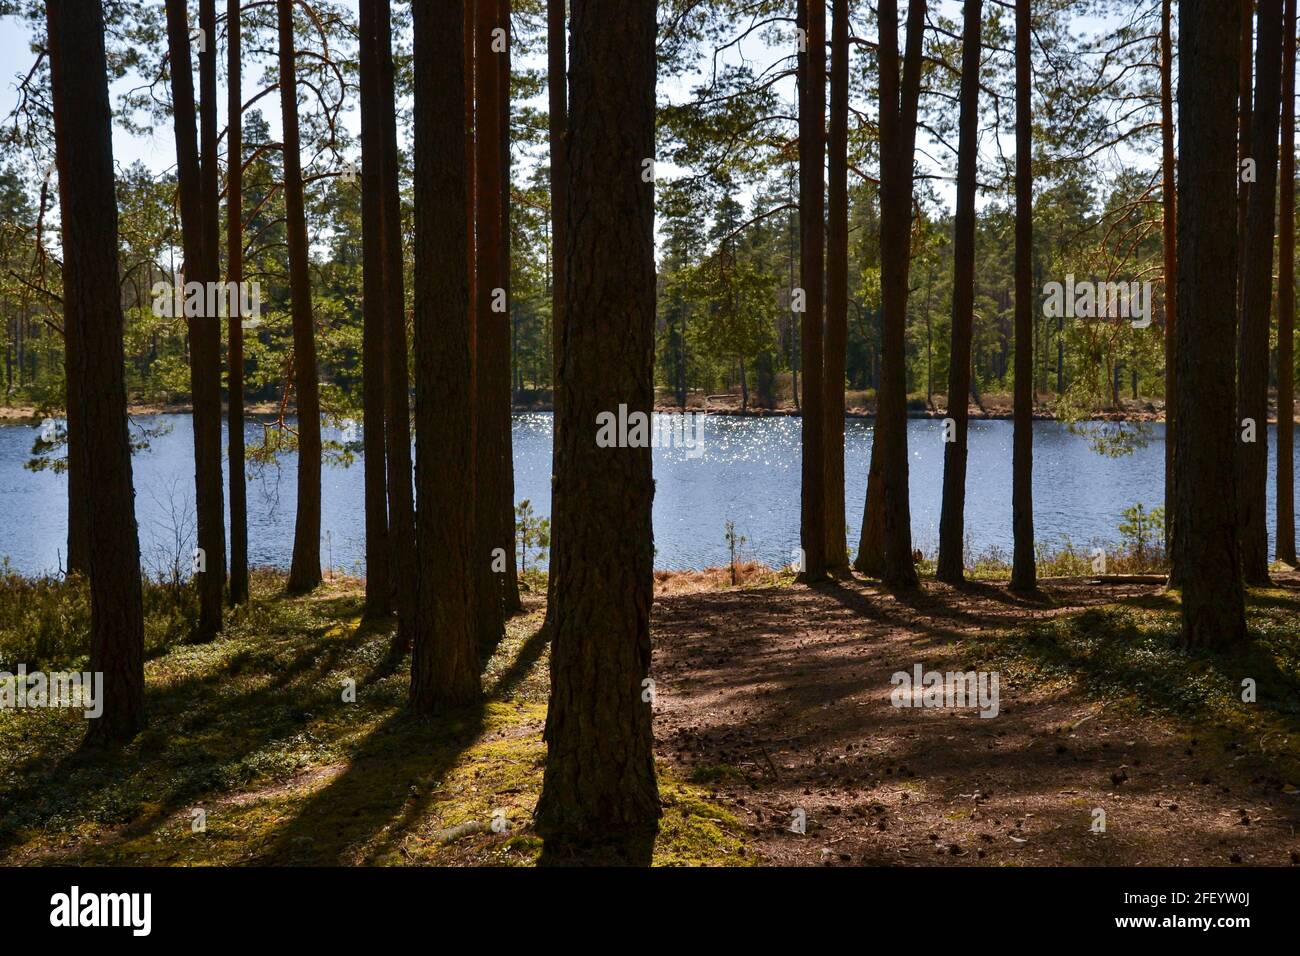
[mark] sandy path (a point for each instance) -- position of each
(780, 701)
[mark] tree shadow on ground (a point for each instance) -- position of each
(786, 702)
(391, 779)
(199, 736)
(1109, 653)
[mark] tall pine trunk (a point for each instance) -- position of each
(837, 287)
(812, 206)
(1256, 301)
(1169, 205)
(599, 784)
(1213, 604)
(397, 402)
(92, 307)
(502, 363)
(304, 571)
(897, 126)
(208, 335)
(1286, 303)
(379, 591)
(79, 496)
(1024, 573)
(492, 343)
(204, 330)
(444, 660)
(1244, 117)
(952, 520)
(897, 144)
(235, 330)
(557, 102)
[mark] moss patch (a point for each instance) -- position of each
(253, 756)
(1127, 655)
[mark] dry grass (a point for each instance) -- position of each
(747, 574)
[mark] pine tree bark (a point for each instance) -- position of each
(1244, 120)
(1257, 297)
(444, 659)
(471, 184)
(235, 332)
(1285, 484)
(952, 520)
(374, 385)
(1024, 572)
(92, 306)
(812, 224)
(304, 570)
(557, 103)
(208, 336)
(79, 495)
(599, 784)
(504, 390)
(837, 288)
(1213, 605)
(204, 330)
(897, 144)
(401, 505)
(870, 559)
(1169, 204)
(492, 343)
(557, 82)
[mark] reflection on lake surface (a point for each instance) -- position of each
(748, 473)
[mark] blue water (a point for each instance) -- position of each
(748, 473)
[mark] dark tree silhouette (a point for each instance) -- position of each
(379, 591)
(501, 364)
(557, 40)
(1244, 117)
(492, 343)
(444, 660)
(207, 336)
(204, 330)
(599, 784)
(1213, 603)
(92, 306)
(870, 558)
(1169, 203)
(79, 500)
(837, 287)
(1256, 301)
(304, 570)
(1024, 574)
(952, 520)
(397, 403)
(812, 208)
(897, 146)
(471, 186)
(897, 125)
(1285, 484)
(235, 330)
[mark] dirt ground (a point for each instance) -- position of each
(781, 703)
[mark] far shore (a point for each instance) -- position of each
(990, 408)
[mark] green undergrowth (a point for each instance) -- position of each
(253, 756)
(44, 621)
(1128, 655)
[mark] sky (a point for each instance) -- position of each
(156, 150)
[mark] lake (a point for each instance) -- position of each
(748, 473)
